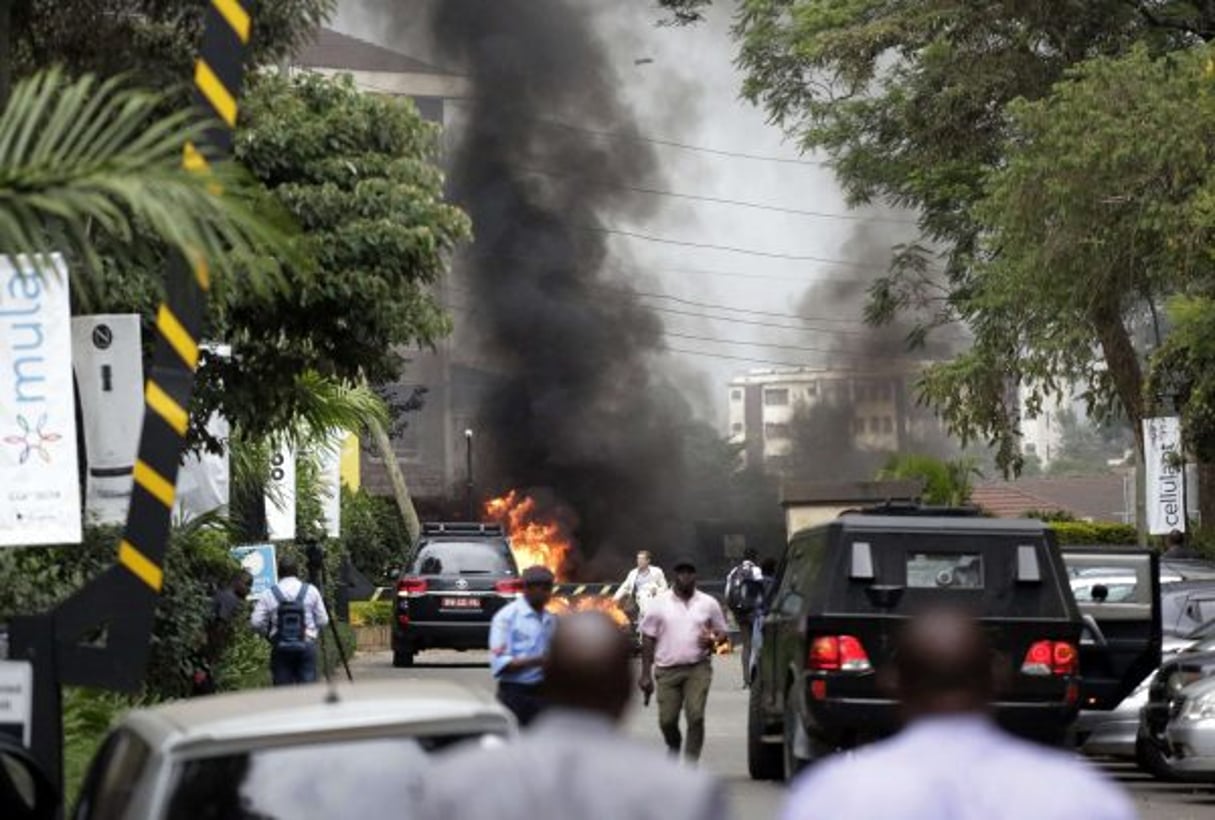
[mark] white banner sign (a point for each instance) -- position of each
(202, 479)
(280, 494)
(39, 485)
(329, 460)
(1165, 485)
(16, 700)
(108, 361)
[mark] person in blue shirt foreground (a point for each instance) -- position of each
(519, 636)
(951, 760)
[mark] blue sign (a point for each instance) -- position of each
(260, 561)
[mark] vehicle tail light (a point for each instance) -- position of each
(409, 585)
(509, 586)
(837, 653)
(403, 619)
(1051, 658)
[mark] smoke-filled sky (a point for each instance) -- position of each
(679, 86)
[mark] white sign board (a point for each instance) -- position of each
(1165, 486)
(261, 562)
(39, 489)
(16, 700)
(329, 462)
(108, 360)
(280, 494)
(203, 478)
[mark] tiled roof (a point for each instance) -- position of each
(334, 50)
(1099, 498)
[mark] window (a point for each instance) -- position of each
(736, 427)
(285, 781)
(928, 570)
(875, 425)
(883, 391)
(887, 425)
(775, 430)
(812, 389)
(113, 777)
(463, 558)
(776, 397)
(735, 395)
(858, 427)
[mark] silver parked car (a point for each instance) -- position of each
(1112, 733)
(300, 752)
(1191, 731)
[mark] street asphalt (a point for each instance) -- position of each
(725, 751)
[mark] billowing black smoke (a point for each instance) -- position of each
(575, 406)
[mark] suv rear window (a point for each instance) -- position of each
(463, 558)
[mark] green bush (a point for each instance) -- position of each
(373, 534)
(371, 613)
(1078, 533)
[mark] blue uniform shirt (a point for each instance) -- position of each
(518, 631)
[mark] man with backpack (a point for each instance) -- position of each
(744, 590)
(291, 614)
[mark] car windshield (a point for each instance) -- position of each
(463, 558)
(350, 778)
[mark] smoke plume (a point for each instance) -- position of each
(575, 405)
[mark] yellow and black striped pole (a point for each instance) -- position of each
(179, 320)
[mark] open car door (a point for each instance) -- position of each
(1118, 593)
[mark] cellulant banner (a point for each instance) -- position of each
(280, 494)
(202, 480)
(108, 361)
(1165, 486)
(39, 488)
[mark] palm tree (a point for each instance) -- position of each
(83, 162)
(945, 482)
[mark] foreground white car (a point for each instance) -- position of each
(1191, 731)
(301, 752)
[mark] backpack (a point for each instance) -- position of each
(290, 621)
(740, 588)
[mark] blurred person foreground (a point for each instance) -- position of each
(951, 760)
(574, 761)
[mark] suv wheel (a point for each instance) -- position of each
(763, 759)
(402, 658)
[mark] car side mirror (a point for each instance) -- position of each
(26, 792)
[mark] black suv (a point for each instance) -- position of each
(457, 578)
(843, 588)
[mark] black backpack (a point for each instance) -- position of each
(740, 588)
(290, 621)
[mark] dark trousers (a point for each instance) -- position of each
(746, 626)
(523, 699)
(686, 689)
(287, 668)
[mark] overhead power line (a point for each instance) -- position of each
(669, 143)
(686, 243)
(762, 206)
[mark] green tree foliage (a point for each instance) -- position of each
(154, 41)
(357, 172)
(87, 165)
(1101, 207)
(372, 534)
(947, 483)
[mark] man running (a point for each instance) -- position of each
(518, 642)
(679, 632)
(644, 583)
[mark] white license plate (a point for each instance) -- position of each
(460, 603)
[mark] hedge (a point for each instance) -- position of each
(1077, 533)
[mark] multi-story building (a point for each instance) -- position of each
(763, 405)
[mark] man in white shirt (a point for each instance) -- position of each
(643, 584)
(293, 652)
(574, 761)
(952, 760)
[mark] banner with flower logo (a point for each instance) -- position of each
(39, 485)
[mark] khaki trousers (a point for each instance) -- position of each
(683, 688)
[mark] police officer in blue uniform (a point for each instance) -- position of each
(518, 642)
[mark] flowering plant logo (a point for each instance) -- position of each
(33, 440)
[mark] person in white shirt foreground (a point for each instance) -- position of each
(951, 760)
(573, 762)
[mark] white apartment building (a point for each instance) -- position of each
(1041, 434)
(762, 405)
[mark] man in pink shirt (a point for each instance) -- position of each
(679, 631)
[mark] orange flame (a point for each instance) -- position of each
(533, 541)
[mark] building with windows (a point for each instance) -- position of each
(763, 405)
(430, 447)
